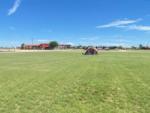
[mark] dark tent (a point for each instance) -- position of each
(91, 51)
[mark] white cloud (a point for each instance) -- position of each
(70, 43)
(42, 40)
(139, 27)
(90, 38)
(14, 8)
(119, 23)
(127, 24)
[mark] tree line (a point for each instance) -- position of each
(52, 45)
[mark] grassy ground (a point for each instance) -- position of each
(67, 82)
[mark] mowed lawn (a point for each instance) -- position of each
(69, 82)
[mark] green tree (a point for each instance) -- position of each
(53, 44)
(141, 46)
(23, 46)
(133, 47)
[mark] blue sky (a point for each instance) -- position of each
(87, 22)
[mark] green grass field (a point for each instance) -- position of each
(68, 82)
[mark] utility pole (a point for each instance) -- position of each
(13, 46)
(32, 41)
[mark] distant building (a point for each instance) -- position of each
(31, 46)
(37, 46)
(64, 46)
(44, 46)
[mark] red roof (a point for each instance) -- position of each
(44, 45)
